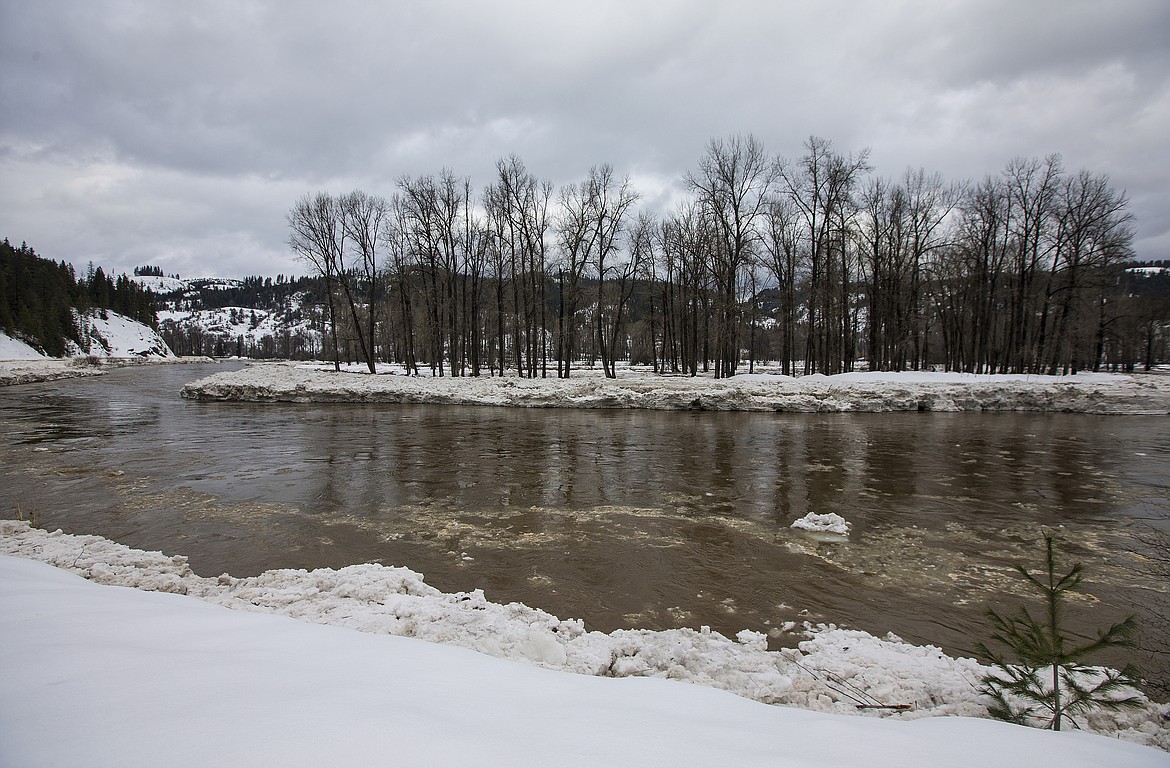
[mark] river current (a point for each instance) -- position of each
(644, 519)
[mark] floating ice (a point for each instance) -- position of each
(829, 522)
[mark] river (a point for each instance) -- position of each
(623, 518)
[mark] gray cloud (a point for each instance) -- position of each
(180, 134)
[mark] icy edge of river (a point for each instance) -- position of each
(861, 392)
(833, 670)
(40, 369)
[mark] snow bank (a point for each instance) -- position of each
(51, 369)
(878, 392)
(43, 369)
(834, 670)
(109, 676)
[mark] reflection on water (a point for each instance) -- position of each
(622, 518)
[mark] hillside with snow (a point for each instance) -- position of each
(253, 317)
(104, 333)
(15, 349)
(108, 334)
(159, 285)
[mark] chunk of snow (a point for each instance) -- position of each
(829, 522)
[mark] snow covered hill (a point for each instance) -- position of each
(254, 317)
(108, 334)
(103, 334)
(15, 349)
(243, 331)
(160, 285)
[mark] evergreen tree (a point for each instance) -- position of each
(40, 299)
(1049, 682)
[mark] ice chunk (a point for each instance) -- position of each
(830, 522)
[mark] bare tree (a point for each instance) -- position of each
(781, 245)
(733, 183)
(518, 221)
(362, 217)
(1031, 185)
(575, 238)
(1093, 231)
(608, 205)
(821, 186)
(396, 239)
(687, 244)
(317, 236)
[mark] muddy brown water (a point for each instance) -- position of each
(622, 518)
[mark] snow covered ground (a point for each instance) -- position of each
(15, 349)
(44, 369)
(130, 678)
(1098, 393)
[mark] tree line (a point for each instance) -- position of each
(814, 262)
(45, 303)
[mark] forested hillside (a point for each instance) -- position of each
(256, 316)
(41, 301)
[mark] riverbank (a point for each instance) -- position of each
(1094, 393)
(30, 371)
(833, 671)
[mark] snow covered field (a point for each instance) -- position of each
(1098, 393)
(130, 678)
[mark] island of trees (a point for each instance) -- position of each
(815, 263)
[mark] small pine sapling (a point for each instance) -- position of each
(1049, 683)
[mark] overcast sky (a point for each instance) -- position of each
(179, 134)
